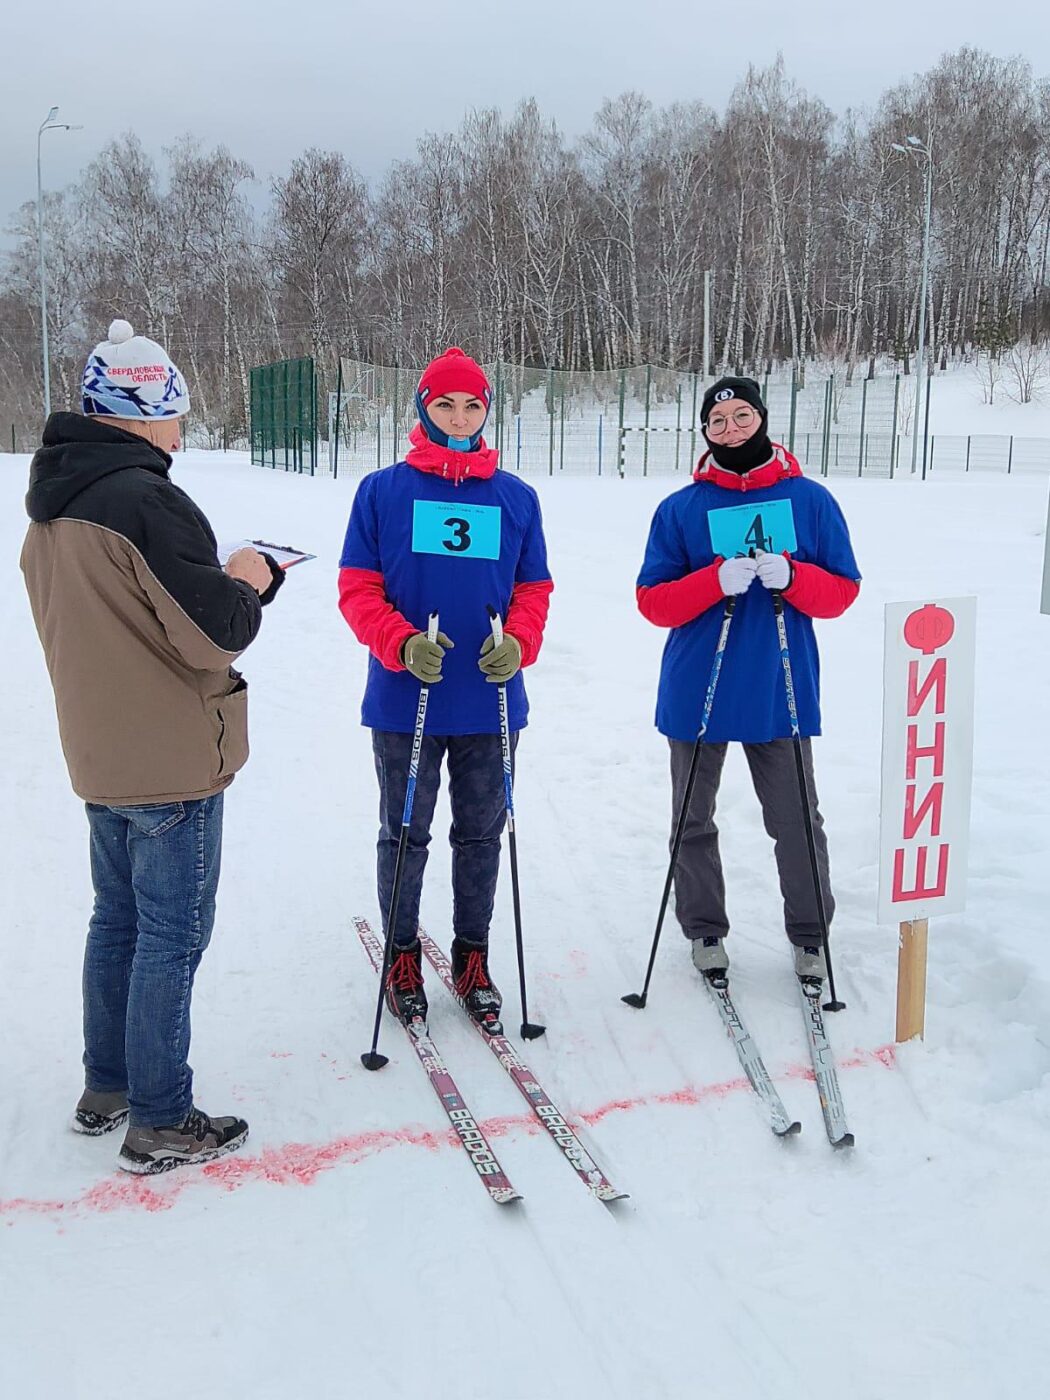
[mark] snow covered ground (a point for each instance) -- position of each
(957, 404)
(348, 1249)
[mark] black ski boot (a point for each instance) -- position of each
(480, 995)
(404, 983)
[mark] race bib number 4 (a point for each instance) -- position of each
(741, 529)
(456, 530)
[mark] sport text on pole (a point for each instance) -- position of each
(529, 1029)
(371, 1059)
(638, 999)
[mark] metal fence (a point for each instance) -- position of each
(988, 453)
(630, 422)
(284, 415)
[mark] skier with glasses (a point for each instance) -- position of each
(750, 527)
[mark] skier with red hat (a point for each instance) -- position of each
(444, 532)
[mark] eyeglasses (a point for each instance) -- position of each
(743, 418)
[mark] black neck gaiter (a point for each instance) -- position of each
(756, 452)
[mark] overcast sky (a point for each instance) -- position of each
(268, 80)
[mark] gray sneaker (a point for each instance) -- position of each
(709, 956)
(810, 965)
(96, 1114)
(199, 1139)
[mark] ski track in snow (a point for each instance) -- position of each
(742, 1267)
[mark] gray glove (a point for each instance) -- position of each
(499, 663)
(423, 657)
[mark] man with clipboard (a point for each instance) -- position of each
(750, 527)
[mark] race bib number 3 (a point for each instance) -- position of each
(741, 529)
(456, 530)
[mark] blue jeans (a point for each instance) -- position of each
(155, 870)
(475, 789)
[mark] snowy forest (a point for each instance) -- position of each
(509, 238)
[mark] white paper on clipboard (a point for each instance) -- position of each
(283, 555)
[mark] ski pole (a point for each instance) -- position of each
(803, 789)
(371, 1059)
(635, 998)
(529, 1029)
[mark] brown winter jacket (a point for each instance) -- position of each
(138, 621)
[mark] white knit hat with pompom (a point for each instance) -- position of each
(131, 376)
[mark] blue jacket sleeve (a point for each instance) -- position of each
(532, 562)
(665, 553)
(361, 545)
(834, 547)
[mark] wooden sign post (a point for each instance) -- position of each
(911, 980)
(927, 767)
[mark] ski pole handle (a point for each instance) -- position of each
(432, 627)
(497, 625)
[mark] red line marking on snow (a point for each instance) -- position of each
(577, 959)
(294, 1163)
(300, 1164)
(694, 1094)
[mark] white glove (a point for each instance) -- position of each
(736, 576)
(774, 570)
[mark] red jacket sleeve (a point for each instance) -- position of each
(372, 617)
(818, 593)
(678, 602)
(527, 616)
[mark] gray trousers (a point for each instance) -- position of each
(699, 886)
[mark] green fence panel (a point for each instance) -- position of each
(283, 402)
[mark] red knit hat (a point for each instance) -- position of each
(454, 373)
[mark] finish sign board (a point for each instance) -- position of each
(927, 758)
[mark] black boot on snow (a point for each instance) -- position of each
(97, 1113)
(481, 996)
(198, 1138)
(404, 983)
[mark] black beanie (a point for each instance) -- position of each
(758, 449)
(732, 387)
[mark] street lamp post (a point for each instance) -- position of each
(48, 124)
(921, 151)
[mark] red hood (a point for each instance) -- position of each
(781, 466)
(427, 456)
